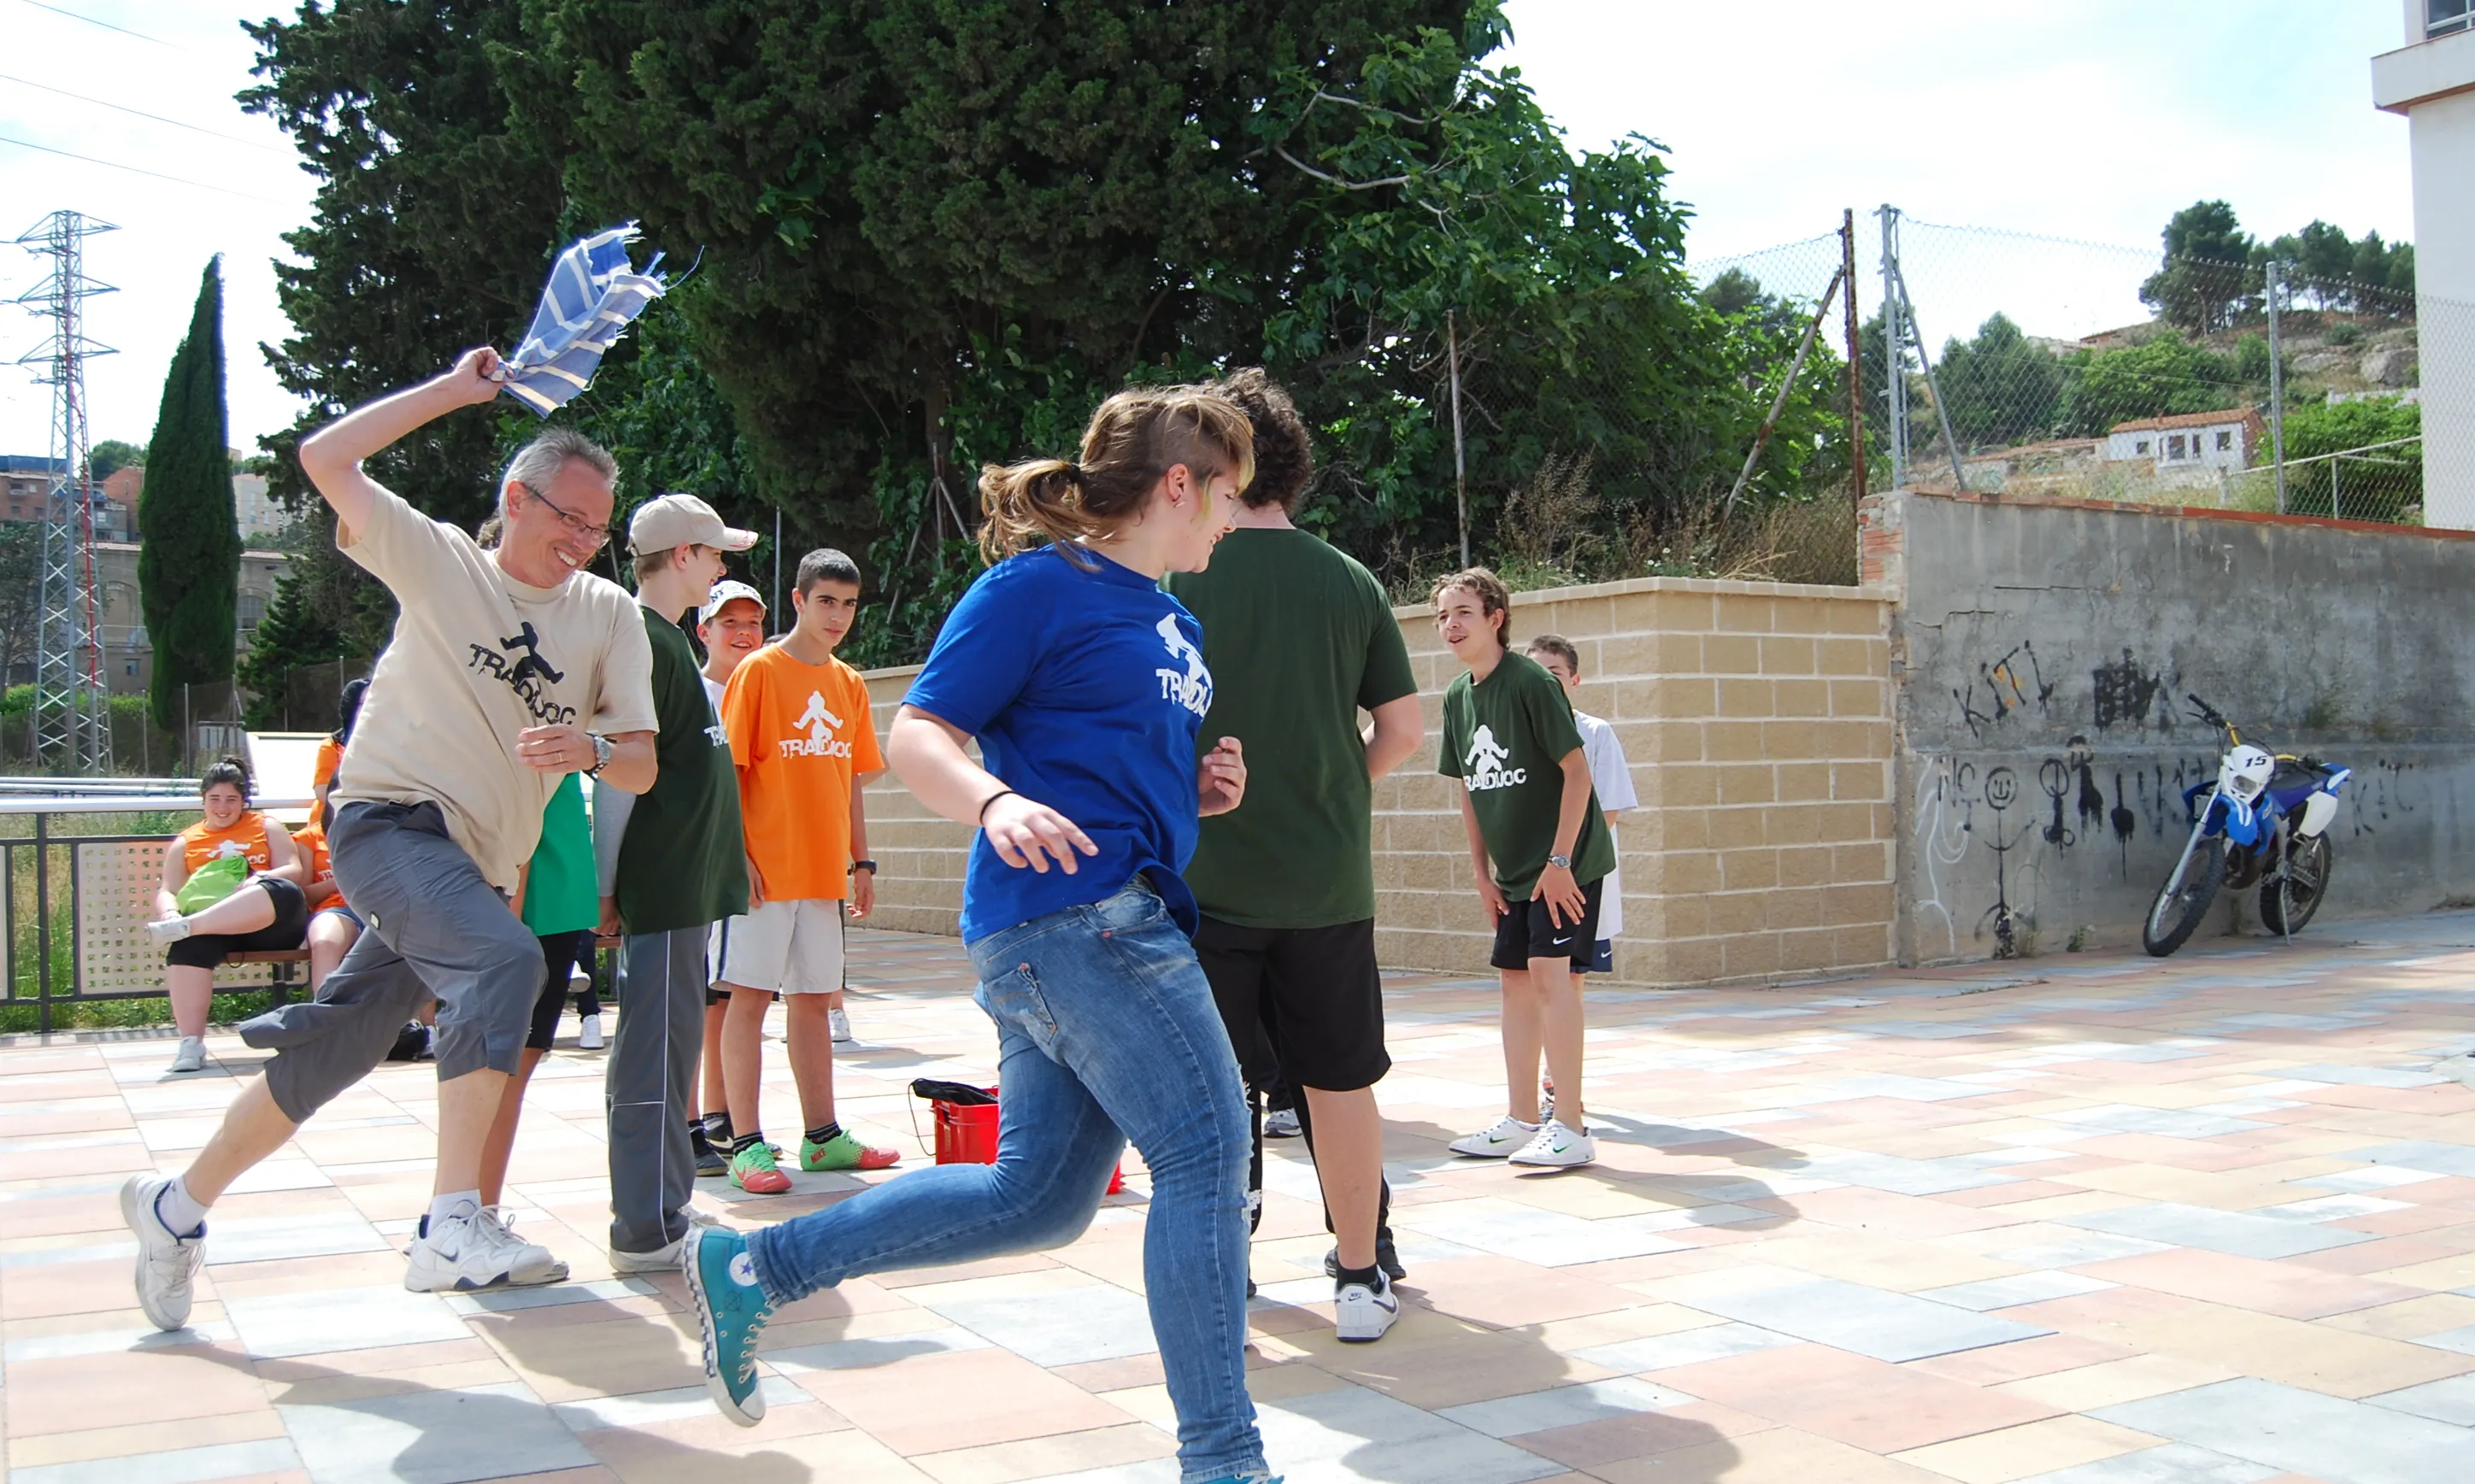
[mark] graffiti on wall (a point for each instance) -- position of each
(2007, 686)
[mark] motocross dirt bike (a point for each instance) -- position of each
(2265, 818)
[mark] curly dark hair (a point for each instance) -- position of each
(1284, 456)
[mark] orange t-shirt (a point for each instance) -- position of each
(798, 733)
(245, 836)
(322, 771)
(312, 842)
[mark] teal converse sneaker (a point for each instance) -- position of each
(733, 1310)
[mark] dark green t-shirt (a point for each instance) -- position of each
(1505, 739)
(681, 864)
(1298, 637)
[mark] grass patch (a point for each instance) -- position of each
(18, 1018)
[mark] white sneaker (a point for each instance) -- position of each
(465, 1252)
(1360, 1314)
(1559, 1146)
(192, 1055)
(667, 1256)
(1280, 1122)
(167, 930)
(1508, 1134)
(588, 1036)
(167, 1264)
(839, 1024)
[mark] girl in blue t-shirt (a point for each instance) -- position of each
(1084, 686)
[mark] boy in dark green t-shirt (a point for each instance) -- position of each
(1529, 809)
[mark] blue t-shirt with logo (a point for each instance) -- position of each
(1085, 690)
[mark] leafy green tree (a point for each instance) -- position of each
(112, 455)
(22, 594)
(2377, 486)
(189, 563)
(434, 223)
(2159, 376)
(2001, 388)
(292, 634)
(2208, 279)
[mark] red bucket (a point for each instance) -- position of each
(966, 1134)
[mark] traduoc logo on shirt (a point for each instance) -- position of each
(1191, 686)
(225, 849)
(820, 725)
(529, 675)
(1484, 767)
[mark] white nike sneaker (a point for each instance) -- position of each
(464, 1252)
(1557, 1145)
(167, 1264)
(191, 1057)
(839, 1024)
(1362, 1314)
(588, 1034)
(1508, 1134)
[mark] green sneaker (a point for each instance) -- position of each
(752, 1169)
(732, 1310)
(843, 1152)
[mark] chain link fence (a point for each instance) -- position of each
(2028, 365)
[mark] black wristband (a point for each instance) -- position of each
(858, 866)
(991, 799)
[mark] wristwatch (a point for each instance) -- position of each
(858, 866)
(600, 754)
(1560, 862)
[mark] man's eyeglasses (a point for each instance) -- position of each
(577, 525)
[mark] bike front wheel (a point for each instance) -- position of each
(2287, 901)
(2176, 914)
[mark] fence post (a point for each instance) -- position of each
(2337, 512)
(2276, 384)
(1895, 343)
(43, 922)
(1460, 468)
(1855, 354)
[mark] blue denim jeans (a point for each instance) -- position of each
(1105, 1023)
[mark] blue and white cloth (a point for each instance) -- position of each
(593, 295)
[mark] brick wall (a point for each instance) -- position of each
(1756, 719)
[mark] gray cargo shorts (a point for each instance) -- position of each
(435, 929)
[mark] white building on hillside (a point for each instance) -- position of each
(2431, 79)
(2200, 442)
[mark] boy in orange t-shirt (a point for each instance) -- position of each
(804, 742)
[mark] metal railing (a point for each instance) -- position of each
(33, 889)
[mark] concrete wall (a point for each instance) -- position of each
(2040, 656)
(1756, 718)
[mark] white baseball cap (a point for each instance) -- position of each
(729, 591)
(682, 521)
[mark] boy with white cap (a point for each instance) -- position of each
(731, 628)
(672, 864)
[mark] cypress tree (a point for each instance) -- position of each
(188, 562)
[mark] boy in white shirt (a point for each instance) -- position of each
(1610, 774)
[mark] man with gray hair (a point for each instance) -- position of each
(508, 669)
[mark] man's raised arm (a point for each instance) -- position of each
(331, 456)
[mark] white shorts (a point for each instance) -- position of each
(787, 947)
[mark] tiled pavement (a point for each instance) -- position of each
(2085, 1220)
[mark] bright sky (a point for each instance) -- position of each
(2086, 119)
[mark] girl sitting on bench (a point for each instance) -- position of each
(231, 884)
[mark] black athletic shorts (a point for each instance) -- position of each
(1526, 933)
(1313, 994)
(209, 950)
(559, 953)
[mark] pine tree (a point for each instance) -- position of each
(292, 634)
(188, 564)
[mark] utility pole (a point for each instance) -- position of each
(1461, 468)
(1855, 354)
(72, 710)
(2276, 384)
(1894, 341)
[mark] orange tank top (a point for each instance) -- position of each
(246, 836)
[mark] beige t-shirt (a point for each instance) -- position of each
(476, 658)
